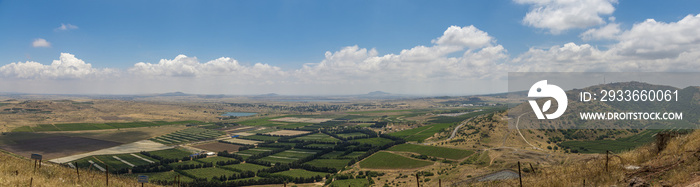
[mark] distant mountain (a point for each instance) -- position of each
(269, 95)
(378, 93)
(171, 94)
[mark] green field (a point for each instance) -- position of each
(386, 160)
(320, 146)
(334, 154)
(255, 151)
(98, 126)
(113, 163)
(171, 153)
(421, 133)
(354, 154)
(165, 176)
(208, 173)
(214, 159)
(189, 162)
(260, 138)
(258, 121)
(350, 182)
(317, 137)
(331, 163)
(374, 141)
(294, 125)
(378, 111)
(441, 152)
(188, 135)
(289, 156)
(300, 173)
(618, 145)
(352, 135)
(246, 167)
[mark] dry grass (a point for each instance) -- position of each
(19, 172)
(677, 165)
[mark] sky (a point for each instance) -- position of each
(333, 47)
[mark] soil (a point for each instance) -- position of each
(55, 146)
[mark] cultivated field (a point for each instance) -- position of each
(441, 152)
(242, 141)
(218, 147)
(287, 133)
(301, 120)
(320, 137)
(51, 146)
(385, 160)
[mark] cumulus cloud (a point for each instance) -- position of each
(468, 36)
(561, 15)
(40, 42)
(607, 32)
(653, 39)
(67, 67)
(647, 46)
(418, 64)
(183, 66)
(65, 27)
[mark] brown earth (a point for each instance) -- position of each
(54, 146)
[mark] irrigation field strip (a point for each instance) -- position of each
(137, 156)
(71, 165)
(265, 150)
(96, 166)
(300, 152)
(244, 154)
(123, 161)
(283, 157)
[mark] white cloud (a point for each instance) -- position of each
(468, 36)
(652, 39)
(65, 27)
(40, 42)
(562, 15)
(67, 67)
(183, 66)
(647, 46)
(609, 31)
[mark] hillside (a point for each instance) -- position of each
(19, 172)
(676, 165)
(688, 103)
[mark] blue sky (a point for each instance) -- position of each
(292, 38)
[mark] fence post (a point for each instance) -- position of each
(533, 169)
(107, 175)
(606, 160)
(76, 170)
(417, 181)
(520, 175)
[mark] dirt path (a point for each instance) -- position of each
(454, 132)
(143, 145)
(521, 134)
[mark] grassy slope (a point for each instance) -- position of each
(674, 166)
(52, 175)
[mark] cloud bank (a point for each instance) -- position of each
(463, 60)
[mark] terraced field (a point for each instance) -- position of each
(188, 135)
